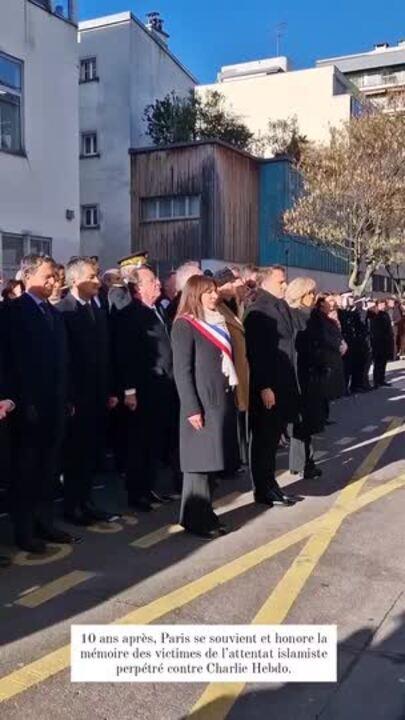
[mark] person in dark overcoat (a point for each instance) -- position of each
(145, 375)
(274, 391)
(92, 389)
(301, 293)
(332, 349)
(382, 342)
(205, 377)
(7, 406)
(37, 362)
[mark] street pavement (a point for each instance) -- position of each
(335, 558)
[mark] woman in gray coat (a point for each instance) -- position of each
(205, 377)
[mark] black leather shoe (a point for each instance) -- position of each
(98, 515)
(54, 535)
(279, 498)
(155, 497)
(142, 505)
(264, 500)
(387, 384)
(32, 545)
(4, 561)
(312, 472)
(79, 519)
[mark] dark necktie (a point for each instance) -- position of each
(47, 312)
(90, 311)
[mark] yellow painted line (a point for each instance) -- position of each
(225, 504)
(53, 589)
(40, 670)
(279, 603)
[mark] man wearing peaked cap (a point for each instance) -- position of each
(119, 296)
(136, 260)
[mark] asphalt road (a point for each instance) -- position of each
(336, 557)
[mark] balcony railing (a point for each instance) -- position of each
(376, 80)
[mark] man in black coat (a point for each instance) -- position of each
(91, 388)
(6, 407)
(145, 365)
(274, 394)
(37, 363)
(382, 342)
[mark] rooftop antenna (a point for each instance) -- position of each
(280, 31)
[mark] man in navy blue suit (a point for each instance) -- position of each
(37, 363)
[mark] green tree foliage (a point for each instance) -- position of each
(186, 119)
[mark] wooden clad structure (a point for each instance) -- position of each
(221, 181)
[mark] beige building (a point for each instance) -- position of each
(379, 74)
(265, 90)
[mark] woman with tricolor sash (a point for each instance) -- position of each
(205, 376)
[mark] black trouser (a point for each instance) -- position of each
(380, 364)
(84, 434)
(196, 511)
(152, 446)
(266, 429)
(36, 449)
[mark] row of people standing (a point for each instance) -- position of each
(238, 347)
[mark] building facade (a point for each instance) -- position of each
(209, 201)
(124, 66)
(264, 90)
(39, 130)
(379, 74)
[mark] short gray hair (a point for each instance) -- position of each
(185, 272)
(30, 263)
(267, 272)
(75, 267)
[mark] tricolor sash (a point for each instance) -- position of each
(215, 334)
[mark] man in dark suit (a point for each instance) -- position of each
(37, 363)
(91, 388)
(274, 394)
(6, 407)
(145, 365)
(382, 343)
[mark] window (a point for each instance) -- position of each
(14, 247)
(88, 70)
(10, 104)
(171, 207)
(89, 144)
(40, 246)
(90, 216)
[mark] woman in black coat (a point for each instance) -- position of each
(332, 347)
(205, 377)
(308, 344)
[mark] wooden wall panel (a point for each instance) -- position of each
(227, 182)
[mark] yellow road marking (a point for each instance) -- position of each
(279, 603)
(229, 502)
(53, 589)
(40, 670)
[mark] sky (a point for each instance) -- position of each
(206, 35)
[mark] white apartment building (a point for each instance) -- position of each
(39, 130)
(269, 89)
(125, 65)
(377, 73)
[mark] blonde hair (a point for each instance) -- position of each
(297, 289)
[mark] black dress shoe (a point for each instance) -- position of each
(78, 518)
(32, 545)
(141, 504)
(311, 472)
(155, 497)
(387, 384)
(98, 515)
(279, 498)
(264, 500)
(54, 535)
(211, 534)
(4, 561)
